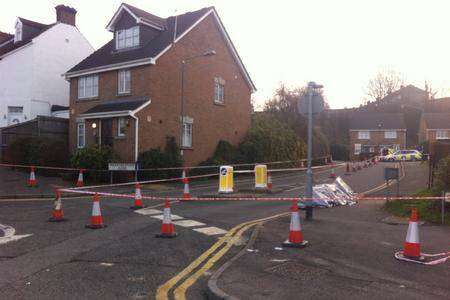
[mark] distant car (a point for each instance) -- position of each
(403, 155)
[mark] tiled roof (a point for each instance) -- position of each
(10, 46)
(146, 16)
(115, 105)
(108, 55)
(368, 120)
(437, 120)
(4, 36)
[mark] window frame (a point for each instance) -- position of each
(358, 149)
(123, 36)
(83, 125)
(119, 126)
(390, 134)
(121, 90)
(442, 135)
(183, 138)
(363, 135)
(219, 91)
(82, 86)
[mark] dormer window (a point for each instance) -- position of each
(18, 33)
(126, 38)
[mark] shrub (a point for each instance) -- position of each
(96, 158)
(339, 151)
(271, 140)
(442, 181)
(155, 158)
(40, 152)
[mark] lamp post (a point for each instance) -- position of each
(183, 66)
(312, 88)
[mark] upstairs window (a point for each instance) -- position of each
(88, 87)
(390, 134)
(363, 135)
(124, 84)
(442, 135)
(126, 38)
(219, 90)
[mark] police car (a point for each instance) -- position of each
(403, 155)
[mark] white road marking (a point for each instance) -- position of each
(148, 211)
(188, 223)
(9, 234)
(210, 230)
(174, 217)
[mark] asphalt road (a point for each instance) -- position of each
(125, 260)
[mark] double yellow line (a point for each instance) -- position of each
(189, 274)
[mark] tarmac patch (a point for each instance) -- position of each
(210, 230)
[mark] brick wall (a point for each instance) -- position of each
(376, 139)
(162, 84)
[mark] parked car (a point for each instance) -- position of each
(403, 155)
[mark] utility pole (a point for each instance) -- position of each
(312, 87)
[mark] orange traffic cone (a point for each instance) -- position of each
(186, 194)
(411, 247)
(269, 182)
(32, 182)
(167, 230)
(332, 173)
(295, 234)
(96, 218)
(80, 181)
(137, 197)
(57, 214)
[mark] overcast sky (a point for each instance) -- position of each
(340, 44)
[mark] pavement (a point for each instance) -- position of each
(126, 261)
(14, 184)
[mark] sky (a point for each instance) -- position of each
(340, 44)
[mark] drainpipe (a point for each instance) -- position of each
(136, 137)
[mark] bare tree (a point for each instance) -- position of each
(430, 90)
(384, 83)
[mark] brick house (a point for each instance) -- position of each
(435, 127)
(127, 94)
(371, 133)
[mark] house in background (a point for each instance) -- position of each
(128, 94)
(372, 133)
(32, 61)
(435, 127)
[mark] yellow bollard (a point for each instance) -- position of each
(260, 177)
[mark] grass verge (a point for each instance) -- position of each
(429, 210)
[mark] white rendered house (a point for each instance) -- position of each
(32, 61)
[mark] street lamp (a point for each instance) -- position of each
(183, 65)
(312, 89)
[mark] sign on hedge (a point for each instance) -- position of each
(121, 167)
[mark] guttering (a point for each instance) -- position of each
(384, 129)
(111, 67)
(103, 115)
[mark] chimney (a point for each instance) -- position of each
(65, 14)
